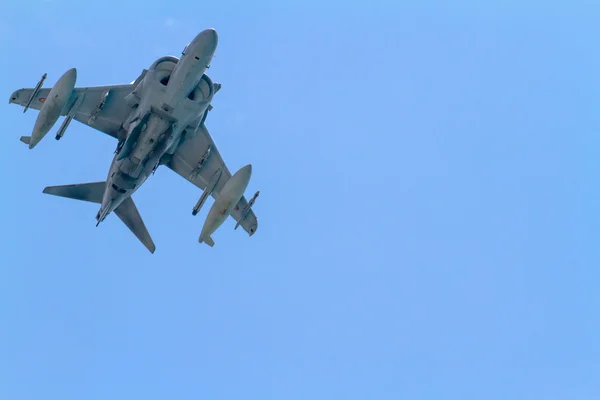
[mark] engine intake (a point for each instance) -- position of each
(163, 68)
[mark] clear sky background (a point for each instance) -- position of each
(428, 218)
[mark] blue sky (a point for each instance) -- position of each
(429, 221)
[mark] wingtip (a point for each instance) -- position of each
(253, 229)
(208, 240)
(150, 245)
(13, 97)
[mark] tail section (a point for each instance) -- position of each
(129, 214)
(208, 240)
(126, 211)
(91, 192)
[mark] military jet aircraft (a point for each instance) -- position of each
(157, 120)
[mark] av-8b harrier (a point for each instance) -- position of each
(158, 120)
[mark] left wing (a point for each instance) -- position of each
(186, 159)
(87, 107)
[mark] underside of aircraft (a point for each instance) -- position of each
(158, 119)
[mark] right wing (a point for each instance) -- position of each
(186, 158)
(107, 120)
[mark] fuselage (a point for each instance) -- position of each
(171, 101)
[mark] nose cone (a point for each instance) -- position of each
(210, 35)
(207, 41)
(70, 76)
(237, 184)
(246, 171)
(67, 81)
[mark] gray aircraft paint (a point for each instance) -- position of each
(230, 195)
(158, 120)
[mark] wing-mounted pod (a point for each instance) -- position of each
(198, 168)
(99, 107)
(207, 191)
(35, 92)
(228, 198)
(70, 115)
(247, 209)
(58, 99)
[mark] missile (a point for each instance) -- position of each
(99, 108)
(69, 117)
(63, 127)
(196, 171)
(207, 191)
(53, 106)
(230, 195)
(35, 92)
(247, 209)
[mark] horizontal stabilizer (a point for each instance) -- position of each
(129, 214)
(127, 211)
(25, 139)
(208, 240)
(91, 192)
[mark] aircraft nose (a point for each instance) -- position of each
(247, 169)
(209, 40)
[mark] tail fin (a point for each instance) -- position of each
(91, 192)
(129, 214)
(127, 211)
